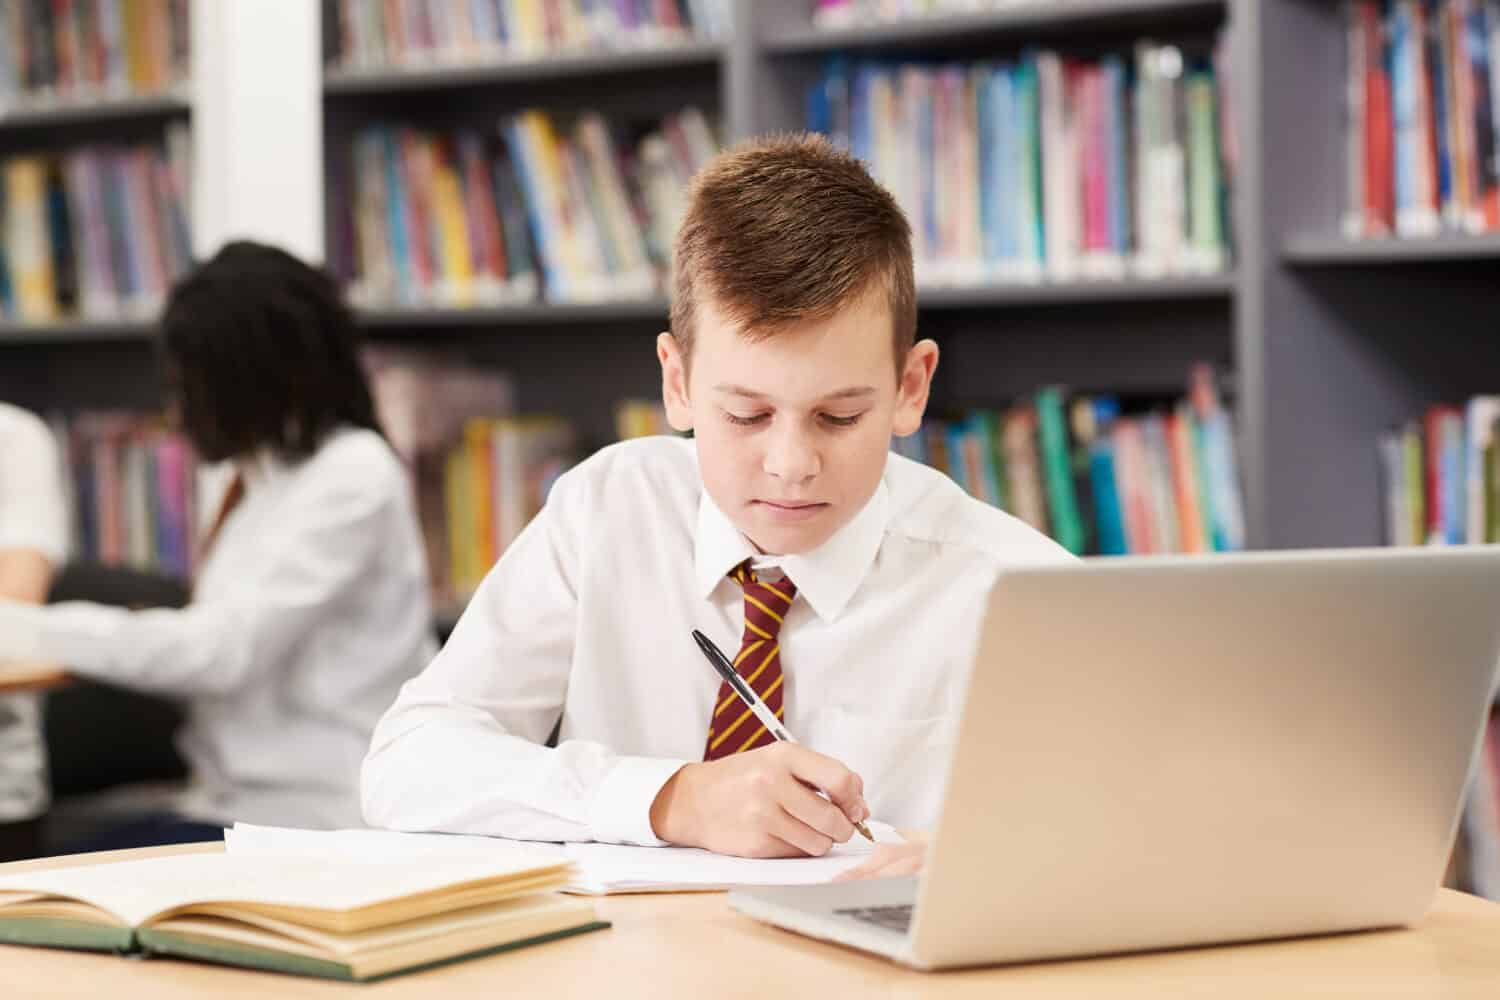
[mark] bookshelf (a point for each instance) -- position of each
(1019, 22)
(596, 67)
(73, 111)
(1327, 342)
(1320, 251)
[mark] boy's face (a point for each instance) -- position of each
(793, 431)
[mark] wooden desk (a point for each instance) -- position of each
(681, 946)
(16, 677)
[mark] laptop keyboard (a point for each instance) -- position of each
(895, 918)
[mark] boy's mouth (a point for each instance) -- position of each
(791, 510)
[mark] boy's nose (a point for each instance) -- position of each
(791, 458)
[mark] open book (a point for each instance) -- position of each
(340, 918)
(598, 869)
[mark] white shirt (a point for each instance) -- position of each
(33, 517)
(588, 616)
(309, 612)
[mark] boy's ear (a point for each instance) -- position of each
(916, 382)
(674, 395)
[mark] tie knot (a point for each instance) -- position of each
(766, 604)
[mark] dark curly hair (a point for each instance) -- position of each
(259, 350)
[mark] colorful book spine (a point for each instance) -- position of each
(1044, 167)
(469, 219)
(1423, 117)
(1101, 477)
(98, 232)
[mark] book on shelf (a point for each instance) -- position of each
(369, 34)
(98, 232)
(354, 919)
(1100, 473)
(582, 211)
(1440, 476)
(635, 418)
(1422, 117)
(75, 51)
(1045, 167)
(133, 487)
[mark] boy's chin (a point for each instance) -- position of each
(782, 539)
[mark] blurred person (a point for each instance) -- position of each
(33, 543)
(310, 604)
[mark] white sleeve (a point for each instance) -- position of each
(462, 749)
(33, 509)
(327, 540)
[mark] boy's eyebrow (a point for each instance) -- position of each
(852, 392)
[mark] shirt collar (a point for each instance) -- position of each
(828, 576)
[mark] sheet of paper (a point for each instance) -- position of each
(602, 868)
(134, 891)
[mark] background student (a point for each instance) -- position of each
(847, 582)
(33, 542)
(311, 605)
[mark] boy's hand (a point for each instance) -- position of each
(761, 804)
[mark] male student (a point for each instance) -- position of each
(33, 542)
(847, 582)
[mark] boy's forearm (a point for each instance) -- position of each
(455, 770)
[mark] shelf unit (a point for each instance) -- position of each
(1320, 251)
(58, 112)
(1328, 342)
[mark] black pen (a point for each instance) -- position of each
(752, 701)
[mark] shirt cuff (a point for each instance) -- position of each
(21, 632)
(621, 812)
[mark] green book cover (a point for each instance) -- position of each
(1057, 468)
(55, 932)
(174, 945)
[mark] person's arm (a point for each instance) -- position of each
(33, 511)
(325, 542)
(25, 575)
(461, 751)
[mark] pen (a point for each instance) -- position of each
(752, 701)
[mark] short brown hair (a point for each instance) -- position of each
(788, 228)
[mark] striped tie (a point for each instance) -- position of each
(733, 728)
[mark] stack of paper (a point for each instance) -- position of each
(601, 869)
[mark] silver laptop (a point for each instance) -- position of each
(1157, 753)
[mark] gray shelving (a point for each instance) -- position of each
(83, 332)
(645, 60)
(1002, 296)
(78, 111)
(1323, 251)
(1021, 21)
(527, 315)
(1326, 348)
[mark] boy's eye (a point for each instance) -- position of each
(754, 418)
(837, 421)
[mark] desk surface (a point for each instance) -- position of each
(680, 946)
(15, 677)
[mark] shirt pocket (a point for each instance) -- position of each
(903, 762)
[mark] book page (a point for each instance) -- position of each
(602, 868)
(134, 891)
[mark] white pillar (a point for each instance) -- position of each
(257, 125)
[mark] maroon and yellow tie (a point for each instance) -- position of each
(734, 729)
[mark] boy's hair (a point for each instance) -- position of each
(789, 228)
(260, 351)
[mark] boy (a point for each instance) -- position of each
(848, 583)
